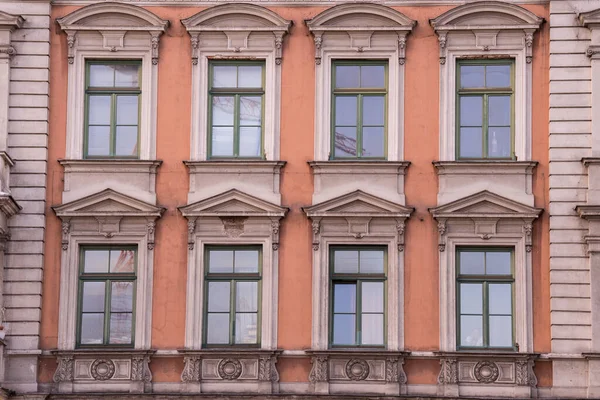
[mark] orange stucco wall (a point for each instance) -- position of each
(297, 147)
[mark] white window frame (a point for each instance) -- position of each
(238, 47)
(357, 46)
(87, 41)
(486, 42)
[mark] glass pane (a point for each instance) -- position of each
(95, 261)
(371, 261)
(218, 296)
(471, 142)
(126, 142)
(372, 329)
(499, 142)
(220, 260)
(246, 260)
(250, 76)
(499, 110)
(372, 76)
(471, 298)
(250, 141)
(497, 263)
(501, 331)
(373, 142)
(127, 75)
(93, 297)
(345, 142)
(99, 140)
(121, 297)
(344, 329)
(99, 110)
(500, 298)
(224, 76)
(222, 111)
(122, 260)
(471, 331)
(217, 329)
(472, 76)
(497, 76)
(246, 297)
(250, 111)
(246, 328)
(471, 111)
(92, 328)
(344, 298)
(120, 328)
(373, 110)
(345, 110)
(347, 76)
(345, 261)
(372, 297)
(102, 75)
(127, 110)
(222, 141)
(471, 263)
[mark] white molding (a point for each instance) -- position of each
(224, 31)
(88, 37)
(591, 20)
(459, 38)
(355, 44)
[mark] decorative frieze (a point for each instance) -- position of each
(320, 369)
(64, 371)
(448, 372)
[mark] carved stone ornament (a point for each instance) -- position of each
(192, 369)
(394, 373)
(66, 226)
(442, 37)
(229, 369)
(320, 369)
(151, 229)
(64, 371)
(528, 230)
(140, 370)
(316, 228)
(195, 43)
(102, 370)
(155, 38)
(275, 234)
(357, 370)
(234, 226)
(278, 46)
(318, 48)
(441, 235)
(448, 371)
(267, 370)
(71, 48)
(486, 372)
(528, 46)
(524, 373)
(400, 227)
(401, 50)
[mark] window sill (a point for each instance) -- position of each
(511, 179)
(258, 178)
(132, 177)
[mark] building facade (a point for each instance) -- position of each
(315, 198)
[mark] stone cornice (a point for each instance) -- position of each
(587, 161)
(588, 211)
(484, 167)
(364, 167)
(234, 166)
(110, 165)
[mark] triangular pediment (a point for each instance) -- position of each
(107, 203)
(353, 16)
(358, 203)
(10, 21)
(233, 203)
(239, 17)
(482, 14)
(591, 18)
(485, 204)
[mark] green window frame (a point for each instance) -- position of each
(484, 97)
(232, 318)
(106, 296)
(362, 135)
(358, 300)
(485, 298)
(232, 109)
(112, 109)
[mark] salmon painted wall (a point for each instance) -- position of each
(421, 123)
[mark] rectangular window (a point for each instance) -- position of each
(232, 296)
(485, 109)
(107, 283)
(485, 298)
(236, 103)
(112, 116)
(359, 104)
(358, 288)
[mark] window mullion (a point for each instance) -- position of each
(486, 315)
(232, 312)
(113, 125)
(358, 318)
(236, 126)
(107, 296)
(485, 125)
(359, 128)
